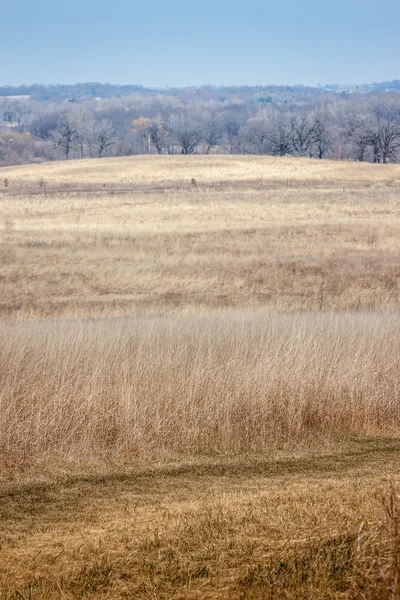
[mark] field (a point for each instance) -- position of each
(200, 394)
(136, 235)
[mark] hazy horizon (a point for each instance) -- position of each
(215, 43)
(200, 85)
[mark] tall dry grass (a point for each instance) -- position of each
(133, 387)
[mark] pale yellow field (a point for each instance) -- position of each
(244, 244)
(205, 169)
(200, 382)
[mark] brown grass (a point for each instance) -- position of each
(306, 526)
(156, 170)
(200, 387)
(148, 387)
(243, 245)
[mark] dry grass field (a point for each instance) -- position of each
(295, 236)
(200, 382)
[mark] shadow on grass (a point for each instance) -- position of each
(69, 494)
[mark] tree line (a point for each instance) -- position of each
(357, 126)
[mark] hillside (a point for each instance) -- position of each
(118, 236)
(179, 170)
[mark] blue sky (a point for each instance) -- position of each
(220, 42)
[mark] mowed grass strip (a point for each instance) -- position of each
(309, 524)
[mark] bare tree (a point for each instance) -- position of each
(302, 134)
(158, 135)
(210, 132)
(257, 133)
(375, 142)
(359, 132)
(231, 130)
(188, 135)
(363, 126)
(281, 137)
(83, 120)
(103, 136)
(2, 149)
(387, 116)
(321, 137)
(66, 135)
(43, 126)
(142, 127)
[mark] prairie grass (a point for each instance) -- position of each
(154, 387)
(175, 250)
(200, 387)
(230, 170)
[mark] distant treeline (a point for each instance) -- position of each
(78, 91)
(41, 123)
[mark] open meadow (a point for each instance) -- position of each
(200, 389)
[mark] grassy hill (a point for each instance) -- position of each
(179, 169)
(118, 236)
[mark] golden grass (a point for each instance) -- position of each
(150, 387)
(303, 526)
(199, 384)
(242, 245)
(205, 169)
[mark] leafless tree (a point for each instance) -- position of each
(2, 149)
(188, 135)
(257, 133)
(363, 126)
(374, 142)
(210, 132)
(232, 129)
(43, 126)
(359, 132)
(387, 115)
(103, 136)
(66, 135)
(281, 136)
(83, 120)
(303, 134)
(158, 134)
(142, 128)
(321, 137)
